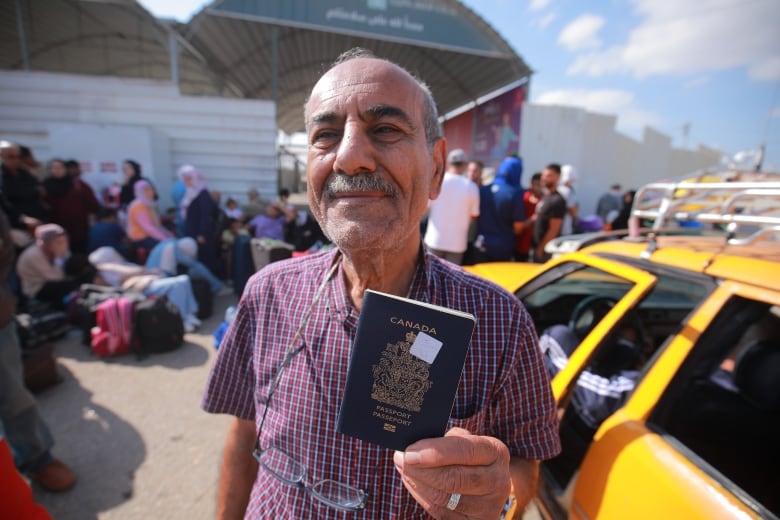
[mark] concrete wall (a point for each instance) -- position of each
(233, 141)
(601, 155)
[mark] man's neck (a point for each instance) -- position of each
(387, 270)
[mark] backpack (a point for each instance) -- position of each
(158, 326)
(112, 334)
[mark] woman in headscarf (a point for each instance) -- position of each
(71, 204)
(143, 223)
(199, 211)
(132, 173)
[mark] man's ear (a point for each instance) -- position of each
(439, 154)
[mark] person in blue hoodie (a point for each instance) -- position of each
(501, 213)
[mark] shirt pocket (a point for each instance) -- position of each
(471, 419)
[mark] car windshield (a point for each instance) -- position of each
(555, 296)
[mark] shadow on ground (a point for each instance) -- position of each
(118, 447)
(196, 355)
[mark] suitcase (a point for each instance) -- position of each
(243, 265)
(201, 288)
(41, 324)
(265, 251)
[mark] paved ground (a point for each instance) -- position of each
(134, 433)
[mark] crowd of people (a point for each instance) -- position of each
(473, 222)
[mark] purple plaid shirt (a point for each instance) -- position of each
(504, 391)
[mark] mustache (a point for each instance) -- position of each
(341, 183)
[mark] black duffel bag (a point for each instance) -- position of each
(158, 327)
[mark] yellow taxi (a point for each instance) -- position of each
(664, 355)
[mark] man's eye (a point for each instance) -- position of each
(386, 131)
(324, 136)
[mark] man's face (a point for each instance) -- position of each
(474, 173)
(58, 246)
(550, 178)
(10, 157)
(370, 169)
(57, 169)
(536, 186)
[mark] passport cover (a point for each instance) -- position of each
(404, 370)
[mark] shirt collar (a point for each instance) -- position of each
(340, 304)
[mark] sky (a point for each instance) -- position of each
(703, 72)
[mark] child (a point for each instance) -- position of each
(232, 210)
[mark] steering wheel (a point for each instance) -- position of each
(588, 312)
(622, 355)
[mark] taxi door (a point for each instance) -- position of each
(636, 468)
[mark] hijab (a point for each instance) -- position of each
(58, 186)
(126, 193)
(198, 181)
(141, 196)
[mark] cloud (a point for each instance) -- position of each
(582, 33)
(683, 37)
(766, 70)
(775, 113)
(544, 21)
(538, 5)
(698, 81)
(620, 103)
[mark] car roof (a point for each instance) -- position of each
(756, 263)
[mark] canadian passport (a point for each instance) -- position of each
(404, 370)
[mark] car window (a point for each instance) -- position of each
(723, 405)
(572, 293)
(617, 365)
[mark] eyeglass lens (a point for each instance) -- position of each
(330, 492)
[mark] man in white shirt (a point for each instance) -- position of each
(449, 215)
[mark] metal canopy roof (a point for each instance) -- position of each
(113, 38)
(228, 48)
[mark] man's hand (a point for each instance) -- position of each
(476, 467)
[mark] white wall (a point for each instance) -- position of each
(233, 141)
(601, 155)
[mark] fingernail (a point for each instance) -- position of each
(398, 459)
(412, 457)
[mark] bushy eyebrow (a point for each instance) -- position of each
(375, 112)
(381, 111)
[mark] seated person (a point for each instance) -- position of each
(604, 386)
(144, 227)
(48, 272)
(232, 210)
(227, 239)
(120, 273)
(172, 256)
(107, 232)
(272, 223)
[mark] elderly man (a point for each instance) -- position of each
(48, 271)
(375, 158)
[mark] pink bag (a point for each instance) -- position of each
(112, 334)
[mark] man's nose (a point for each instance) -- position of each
(355, 153)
